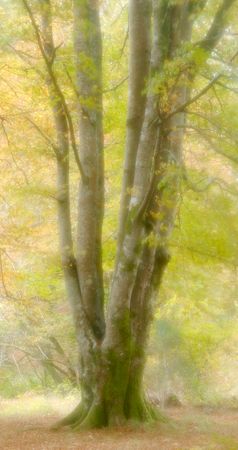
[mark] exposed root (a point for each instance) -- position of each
(138, 410)
(156, 414)
(95, 418)
(76, 415)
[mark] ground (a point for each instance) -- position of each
(25, 422)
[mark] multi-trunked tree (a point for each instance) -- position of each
(163, 63)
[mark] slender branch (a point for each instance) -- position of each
(25, 57)
(72, 82)
(37, 32)
(113, 88)
(2, 276)
(8, 256)
(52, 363)
(203, 253)
(12, 155)
(10, 86)
(209, 140)
(33, 357)
(124, 43)
(16, 347)
(216, 125)
(17, 366)
(44, 135)
(229, 88)
(194, 186)
(196, 97)
(216, 30)
(49, 64)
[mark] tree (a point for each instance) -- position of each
(163, 63)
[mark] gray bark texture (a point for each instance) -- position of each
(88, 52)
(113, 348)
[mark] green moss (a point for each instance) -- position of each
(96, 418)
(128, 265)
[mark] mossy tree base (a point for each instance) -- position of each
(137, 412)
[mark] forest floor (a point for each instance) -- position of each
(25, 422)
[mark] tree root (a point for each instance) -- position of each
(73, 418)
(95, 418)
(138, 410)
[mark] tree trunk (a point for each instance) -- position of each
(148, 208)
(88, 51)
(139, 60)
(113, 350)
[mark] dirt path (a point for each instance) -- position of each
(193, 429)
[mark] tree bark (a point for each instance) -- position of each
(139, 60)
(113, 351)
(155, 156)
(88, 53)
(87, 348)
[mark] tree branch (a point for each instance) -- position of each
(2, 276)
(113, 88)
(44, 135)
(59, 93)
(212, 145)
(217, 28)
(200, 94)
(229, 88)
(12, 155)
(204, 253)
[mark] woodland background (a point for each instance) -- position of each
(193, 348)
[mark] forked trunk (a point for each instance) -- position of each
(113, 350)
(148, 206)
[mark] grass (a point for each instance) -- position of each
(28, 405)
